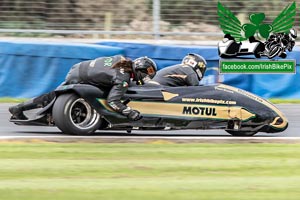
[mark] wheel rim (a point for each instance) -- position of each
(82, 115)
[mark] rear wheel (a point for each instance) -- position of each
(241, 133)
(73, 115)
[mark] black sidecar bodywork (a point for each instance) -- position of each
(220, 106)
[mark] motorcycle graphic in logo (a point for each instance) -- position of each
(244, 39)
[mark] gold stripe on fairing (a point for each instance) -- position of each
(262, 101)
(168, 95)
(187, 110)
(176, 76)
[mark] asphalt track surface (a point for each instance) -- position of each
(7, 129)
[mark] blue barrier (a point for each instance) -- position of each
(268, 85)
(277, 85)
(30, 69)
(165, 55)
(172, 54)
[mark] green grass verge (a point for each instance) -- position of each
(280, 101)
(47, 171)
(12, 100)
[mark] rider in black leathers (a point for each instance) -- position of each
(111, 74)
(188, 73)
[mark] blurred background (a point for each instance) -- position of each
(40, 40)
(127, 19)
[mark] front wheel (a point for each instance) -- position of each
(274, 51)
(73, 115)
(241, 133)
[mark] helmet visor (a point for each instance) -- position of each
(151, 71)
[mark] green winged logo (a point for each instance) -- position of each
(230, 24)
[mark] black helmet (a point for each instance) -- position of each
(144, 69)
(197, 62)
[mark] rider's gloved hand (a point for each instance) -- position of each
(132, 114)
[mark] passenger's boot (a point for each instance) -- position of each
(17, 111)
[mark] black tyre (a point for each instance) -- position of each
(241, 133)
(257, 55)
(73, 115)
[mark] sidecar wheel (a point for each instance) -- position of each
(241, 133)
(73, 115)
